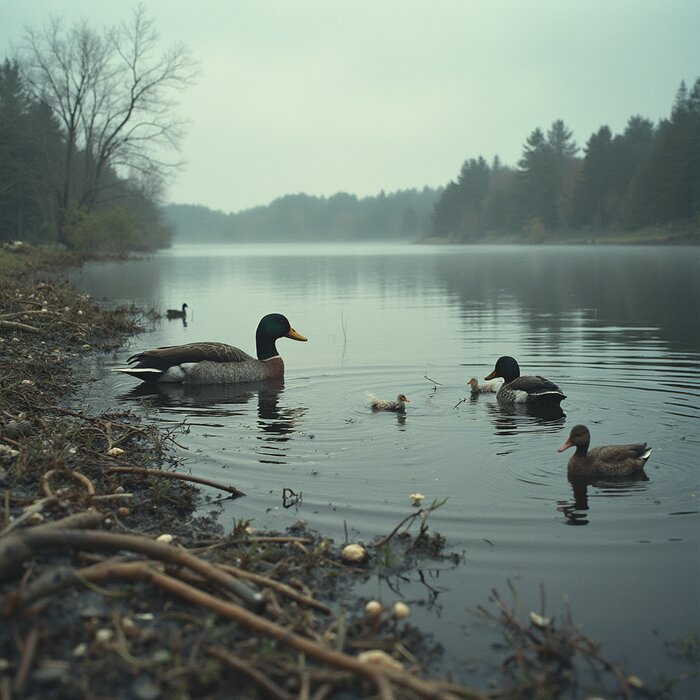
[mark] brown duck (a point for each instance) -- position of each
(609, 460)
(399, 406)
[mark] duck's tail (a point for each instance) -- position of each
(145, 374)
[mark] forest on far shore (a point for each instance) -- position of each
(81, 165)
(645, 180)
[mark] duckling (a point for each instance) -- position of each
(398, 406)
(177, 313)
(486, 387)
(608, 460)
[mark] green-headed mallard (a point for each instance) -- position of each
(399, 406)
(177, 313)
(216, 363)
(528, 389)
(610, 460)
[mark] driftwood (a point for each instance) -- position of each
(176, 475)
(20, 546)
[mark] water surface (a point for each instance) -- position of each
(618, 329)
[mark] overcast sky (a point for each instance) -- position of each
(326, 96)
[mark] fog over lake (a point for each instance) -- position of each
(617, 328)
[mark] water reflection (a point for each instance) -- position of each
(586, 287)
(275, 422)
(575, 511)
(510, 419)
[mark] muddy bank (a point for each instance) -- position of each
(110, 587)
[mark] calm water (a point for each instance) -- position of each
(618, 329)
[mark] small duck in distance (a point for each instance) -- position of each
(216, 363)
(398, 406)
(526, 389)
(484, 388)
(607, 460)
(177, 313)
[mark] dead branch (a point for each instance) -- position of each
(20, 546)
(30, 646)
(16, 325)
(278, 586)
(31, 510)
(176, 475)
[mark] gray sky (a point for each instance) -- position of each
(322, 96)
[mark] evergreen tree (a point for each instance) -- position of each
(592, 196)
(666, 188)
(538, 183)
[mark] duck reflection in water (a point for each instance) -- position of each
(509, 419)
(576, 510)
(276, 423)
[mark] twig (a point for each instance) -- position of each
(70, 473)
(19, 326)
(425, 376)
(176, 475)
(30, 646)
(278, 586)
(269, 688)
(36, 507)
(385, 539)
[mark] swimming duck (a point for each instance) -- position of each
(609, 460)
(177, 313)
(216, 363)
(399, 406)
(488, 387)
(528, 389)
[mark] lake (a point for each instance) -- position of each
(617, 328)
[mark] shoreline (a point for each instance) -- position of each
(184, 617)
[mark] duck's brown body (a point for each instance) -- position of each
(398, 406)
(607, 460)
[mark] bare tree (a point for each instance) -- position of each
(115, 94)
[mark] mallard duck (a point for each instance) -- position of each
(610, 460)
(528, 389)
(216, 363)
(177, 313)
(488, 387)
(398, 406)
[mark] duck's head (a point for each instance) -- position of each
(401, 398)
(270, 328)
(507, 368)
(473, 383)
(578, 437)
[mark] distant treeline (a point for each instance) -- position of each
(648, 177)
(402, 215)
